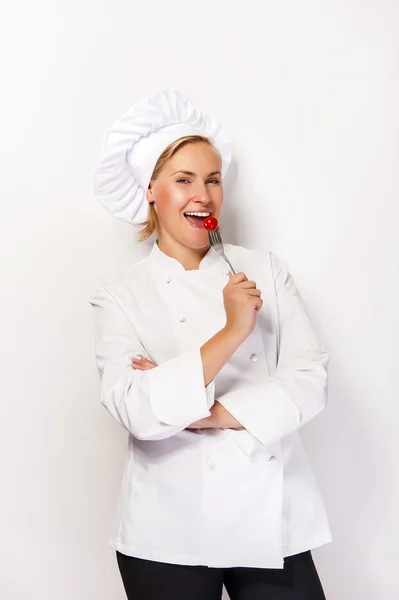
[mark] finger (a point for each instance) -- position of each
(248, 284)
(141, 359)
(149, 362)
(238, 277)
(253, 292)
(138, 362)
(139, 367)
(145, 363)
(259, 304)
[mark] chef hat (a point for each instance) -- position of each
(134, 143)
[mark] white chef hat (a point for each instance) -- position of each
(134, 143)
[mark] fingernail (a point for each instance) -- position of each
(138, 356)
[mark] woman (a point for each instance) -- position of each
(212, 375)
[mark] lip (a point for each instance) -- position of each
(200, 224)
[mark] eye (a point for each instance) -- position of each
(182, 180)
(214, 181)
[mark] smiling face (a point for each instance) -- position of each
(190, 181)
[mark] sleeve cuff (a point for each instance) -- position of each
(245, 440)
(178, 395)
(267, 414)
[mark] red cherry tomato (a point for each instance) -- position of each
(211, 223)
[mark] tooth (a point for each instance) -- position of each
(199, 214)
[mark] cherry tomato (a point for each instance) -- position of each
(211, 223)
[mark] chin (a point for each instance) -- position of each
(196, 244)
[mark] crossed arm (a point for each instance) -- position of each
(295, 394)
(220, 418)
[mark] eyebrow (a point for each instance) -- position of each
(191, 174)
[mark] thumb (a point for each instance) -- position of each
(230, 275)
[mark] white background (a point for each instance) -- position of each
(309, 91)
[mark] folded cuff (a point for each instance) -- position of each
(178, 395)
(266, 411)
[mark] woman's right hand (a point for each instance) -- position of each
(241, 302)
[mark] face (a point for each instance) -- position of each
(190, 181)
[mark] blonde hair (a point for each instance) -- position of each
(151, 224)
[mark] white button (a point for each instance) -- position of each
(253, 357)
(182, 318)
(210, 463)
(168, 279)
(272, 458)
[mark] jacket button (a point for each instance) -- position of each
(210, 463)
(168, 279)
(182, 318)
(254, 357)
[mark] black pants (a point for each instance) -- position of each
(147, 580)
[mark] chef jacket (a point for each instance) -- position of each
(215, 497)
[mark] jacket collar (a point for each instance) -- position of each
(157, 257)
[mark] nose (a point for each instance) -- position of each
(201, 192)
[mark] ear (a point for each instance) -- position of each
(149, 194)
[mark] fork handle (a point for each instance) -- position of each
(229, 263)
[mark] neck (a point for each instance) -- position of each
(190, 258)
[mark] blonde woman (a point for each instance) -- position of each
(211, 374)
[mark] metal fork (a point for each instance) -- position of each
(215, 240)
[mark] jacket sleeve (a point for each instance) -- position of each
(297, 392)
(153, 404)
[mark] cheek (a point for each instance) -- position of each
(216, 194)
(169, 198)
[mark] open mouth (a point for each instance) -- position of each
(196, 220)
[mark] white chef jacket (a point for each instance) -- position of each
(221, 498)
